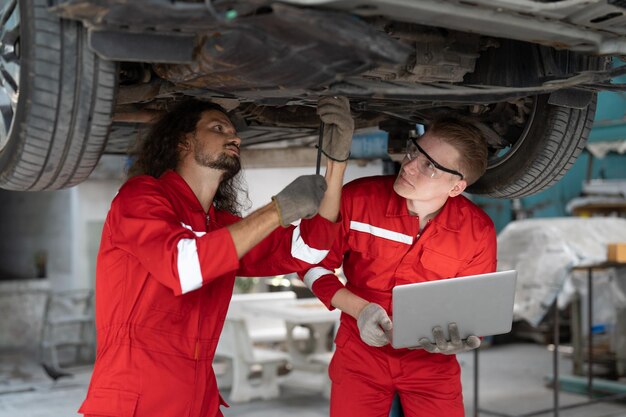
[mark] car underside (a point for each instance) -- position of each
(527, 72)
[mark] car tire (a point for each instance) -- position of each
(56, 99)
(552, 141)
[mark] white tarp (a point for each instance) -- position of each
(544, 251)
(601, 149)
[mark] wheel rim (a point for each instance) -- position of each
(9, 68)
(498, 158)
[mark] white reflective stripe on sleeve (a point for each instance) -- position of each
(186, 226)
(384, 233)
(300, 250)
(314, 274)
(189, 271)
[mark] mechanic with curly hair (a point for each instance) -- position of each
(172, 245)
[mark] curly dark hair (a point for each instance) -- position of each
(158, 151)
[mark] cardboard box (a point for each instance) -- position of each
(617, 252)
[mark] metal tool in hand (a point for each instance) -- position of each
(320, 142)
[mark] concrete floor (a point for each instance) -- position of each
(511, 382)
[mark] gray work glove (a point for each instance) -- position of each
(374, 325)
(300, 199)
(452, 347)
(338, 127)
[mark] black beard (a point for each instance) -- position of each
(229, 165)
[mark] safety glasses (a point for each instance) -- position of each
(425, 164)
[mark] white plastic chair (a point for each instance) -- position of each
(236, 345)
(68, 323)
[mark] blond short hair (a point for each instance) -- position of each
(467, 139)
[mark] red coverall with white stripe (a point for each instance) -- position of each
(165, 276)
(380, 246)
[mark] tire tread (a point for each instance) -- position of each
(65, 126)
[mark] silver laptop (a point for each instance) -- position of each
(481, 305)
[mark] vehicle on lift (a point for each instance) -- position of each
(80, 78)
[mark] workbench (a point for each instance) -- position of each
(556, 381)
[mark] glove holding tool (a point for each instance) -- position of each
(336, 129)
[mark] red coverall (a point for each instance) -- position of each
(380, 246)
(165, 276)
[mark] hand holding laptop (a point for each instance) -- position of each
(453, 346)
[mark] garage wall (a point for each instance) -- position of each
(93, 200)
(59, 223)
(33, 222)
